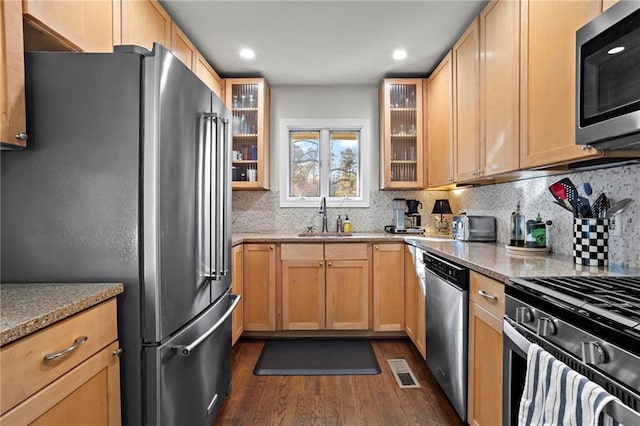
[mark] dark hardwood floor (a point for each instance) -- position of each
(334, 400)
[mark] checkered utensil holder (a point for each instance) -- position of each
(591, 242)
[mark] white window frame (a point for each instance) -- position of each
(287, 125)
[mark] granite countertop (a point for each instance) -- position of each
(490, 259)
(26, 308)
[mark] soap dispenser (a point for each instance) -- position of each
(517, 228)
(346, 227)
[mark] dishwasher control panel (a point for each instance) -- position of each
(453, 273)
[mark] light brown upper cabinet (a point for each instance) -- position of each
(182, 47)
(500, 87)
(145, 22)
(13, 127)
(248, 99)
(548, 81)
(86, 26)
(401, 133)
(440, 124)
(208, 75)
(466, 104)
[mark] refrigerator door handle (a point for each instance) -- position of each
(219, 242)
(185, 350)
(204, 198)
(226, 247)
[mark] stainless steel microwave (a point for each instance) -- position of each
(608, 79)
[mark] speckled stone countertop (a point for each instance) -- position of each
(490, 259)
(26, 308)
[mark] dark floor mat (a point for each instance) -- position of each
(316, 357)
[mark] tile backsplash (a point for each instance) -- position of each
(260, 211)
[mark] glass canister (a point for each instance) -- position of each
(517, 228)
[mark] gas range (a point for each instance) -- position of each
(604, 305)
(591, 323)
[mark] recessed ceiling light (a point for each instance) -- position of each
(399, 54)
(247, 53)
(615, 50)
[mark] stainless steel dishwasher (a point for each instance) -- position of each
(447, 304)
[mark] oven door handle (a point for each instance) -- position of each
(518, 339)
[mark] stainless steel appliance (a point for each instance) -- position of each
(126, 179)
(592, 324)
(447, 304)
(608, 79)
(474, 228)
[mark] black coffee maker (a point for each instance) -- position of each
(412, 213)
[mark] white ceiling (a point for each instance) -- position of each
(323, 42)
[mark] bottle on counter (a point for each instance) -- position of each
(339, 224)
(346, 226)
(517, 228)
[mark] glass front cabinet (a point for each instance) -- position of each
(248, 99)
(401, 134)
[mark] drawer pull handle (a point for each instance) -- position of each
(76, 344)
(487, 295)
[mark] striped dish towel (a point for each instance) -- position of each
(554, 394)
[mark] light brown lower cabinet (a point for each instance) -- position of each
(81, 387)
(388, 287)
(414, 304)
(486, 311)
(237, 318)
(325, 286)
(259, 287)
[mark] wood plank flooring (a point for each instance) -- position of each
(334, 400)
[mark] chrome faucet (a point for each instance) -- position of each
(323, 212)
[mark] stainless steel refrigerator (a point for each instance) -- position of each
(127, 179)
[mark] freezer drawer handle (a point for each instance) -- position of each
(76, 344)
(185, 350)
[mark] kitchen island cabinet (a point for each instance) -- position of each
(486, 312)
(259, 287)
(401, 105)
(66, 372)
(440, 125)
(388, 287)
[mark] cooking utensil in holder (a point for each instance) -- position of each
(591, 241)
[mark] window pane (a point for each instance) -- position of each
(304, 157)
(345, 164)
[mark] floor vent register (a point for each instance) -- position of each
(403, 374)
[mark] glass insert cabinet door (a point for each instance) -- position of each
(401, 127)
(248, 100)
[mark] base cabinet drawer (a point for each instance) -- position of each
(25, 368)
(89, 394)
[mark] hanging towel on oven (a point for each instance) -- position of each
(554, 394)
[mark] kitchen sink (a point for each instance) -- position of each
(325, 234)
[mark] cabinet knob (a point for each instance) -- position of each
(22, 136)
(377, 247)
(270, 247)
(475, 173)
(321, 264)
(329, 263)
(117, 352)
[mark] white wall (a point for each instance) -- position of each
(323, 102)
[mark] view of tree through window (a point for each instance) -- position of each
(344, 164)
(305, 164)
